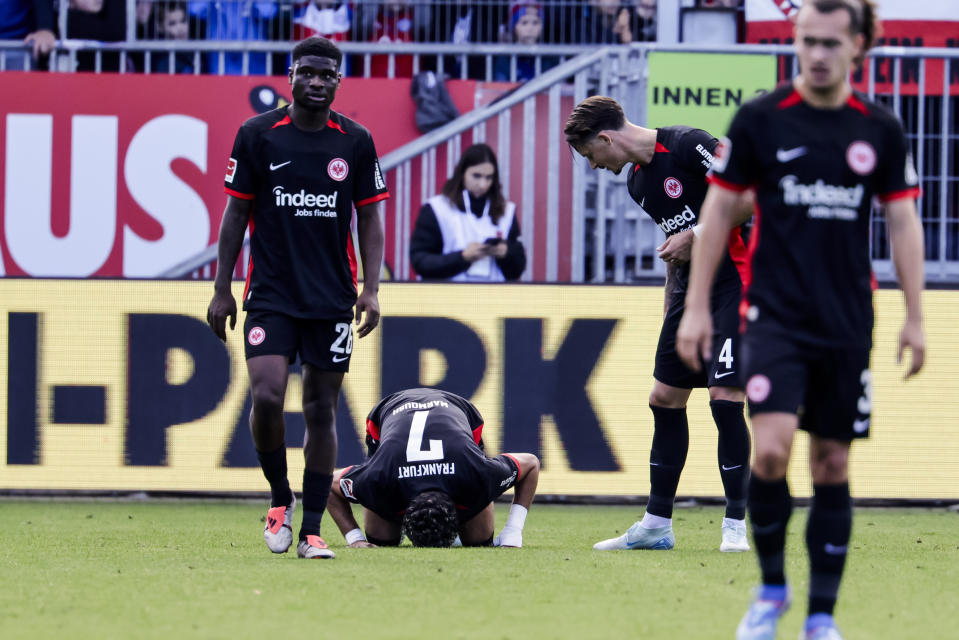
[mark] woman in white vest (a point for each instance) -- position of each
(469, 232)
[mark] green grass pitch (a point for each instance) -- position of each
(174, 569)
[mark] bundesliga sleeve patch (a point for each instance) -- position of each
(230, 170)
(721, 155)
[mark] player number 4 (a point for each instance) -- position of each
(414, 446)
(726, 353)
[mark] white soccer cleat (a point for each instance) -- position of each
(762, 618)
(820, 626)
(734, 536)
(638, 537)
(278, 531)
(314, 548)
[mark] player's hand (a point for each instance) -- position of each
(475, 251)
(678, 248)
(362, 544)
(222, 306)
(694, 338)
(42, 40)
(913, 338)
(509, 537)
(367, 303)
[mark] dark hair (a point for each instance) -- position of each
(474, 155)
(430, 520)
(163, 8)
(317, 46)
(592, 115)
(862, 19)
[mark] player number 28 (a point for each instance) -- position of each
(343, 335)
(414, 446)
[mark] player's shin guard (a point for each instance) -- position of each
(316, 491)
(733, 454)
(770, 506)
(273, 464)
(827, 537)
(666, 458)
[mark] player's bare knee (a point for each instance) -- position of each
(830, 467)
(730, 394)
(771, 461)
(668, 397)
(319, 413)
(267, 402)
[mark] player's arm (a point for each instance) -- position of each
(369, 226)
(523, 493)
(232, 229)
(342, 513)
(720, 212)
(908, 254)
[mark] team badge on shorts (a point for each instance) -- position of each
(673, 187)
(758, 387)
(256, 336)
(338, 169)
(861, 157)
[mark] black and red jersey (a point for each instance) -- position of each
(671, 189)
(815, 172)
(422, 440)
(303, 185)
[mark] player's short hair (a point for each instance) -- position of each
(430, 520)
(474, 155)
(592, 115)
(317, 46)
(863, 17)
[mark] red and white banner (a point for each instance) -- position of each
(122, 175)
(906, 23)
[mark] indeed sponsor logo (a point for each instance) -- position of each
(820, 194)
(678, 221)
(304, 199)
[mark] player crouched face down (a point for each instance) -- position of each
(430, 520)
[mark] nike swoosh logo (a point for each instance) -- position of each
(274, 167)
(642, 202)
(339, 358)
(834, 550)
(735, 466)
(723, 375)
(788, 155)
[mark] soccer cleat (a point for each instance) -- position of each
(278, 531)
(734, 536)
(820, 626)
(761, 618)
(314, 548)
(637, 537)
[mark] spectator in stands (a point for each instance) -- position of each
(469, 232)
(103, 20)
(34, 21)
(146, 20)
(173, 24)
(642, 22)
(462, 22)
(327, 18)
(241, 20)
(393, 23)
(605, 22)
(525, 28)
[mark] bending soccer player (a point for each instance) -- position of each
(427, 476)
(817, 154)
(668, 180)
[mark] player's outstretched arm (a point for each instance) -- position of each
(232, 228)
(720, 212)
(369, 225)
(908, 254)
(523, 493)
(342, 514)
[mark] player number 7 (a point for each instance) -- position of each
(414, 446)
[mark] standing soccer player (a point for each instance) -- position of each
(816, 153)
(294, 176)
(667, 179)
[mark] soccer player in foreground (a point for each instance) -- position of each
(667, 179)
(427, 476)
(294, 176)
(816, 153)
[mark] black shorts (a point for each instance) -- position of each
(723, 368)
(325, 344)
(829, 388)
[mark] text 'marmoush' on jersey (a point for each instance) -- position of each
(427, 439)
(303, 185)
(815, 172)
(671, 189)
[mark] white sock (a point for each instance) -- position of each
(517, 517)
(733, 521)
(650, 521)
